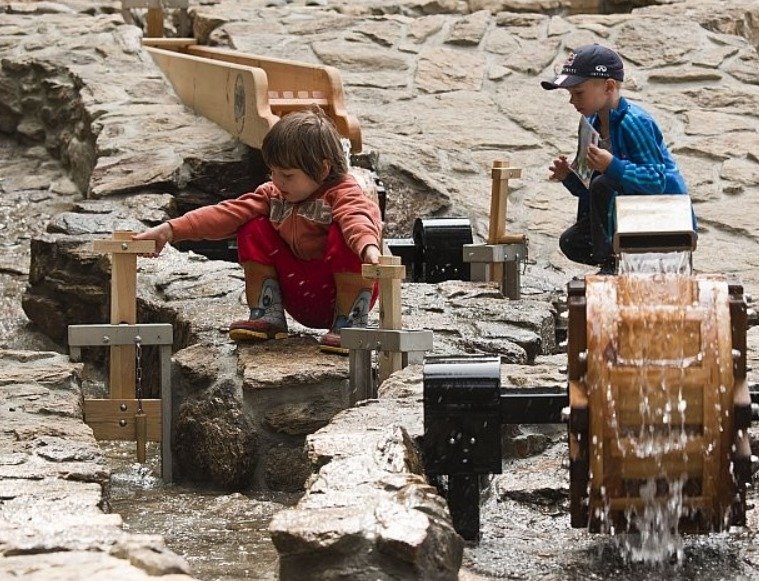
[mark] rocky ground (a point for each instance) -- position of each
(442, 88)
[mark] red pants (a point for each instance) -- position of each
(307, 286)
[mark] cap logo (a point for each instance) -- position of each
(601, 68)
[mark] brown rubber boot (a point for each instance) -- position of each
(354, 295)
(267, 316)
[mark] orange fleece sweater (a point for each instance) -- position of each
(303, 225)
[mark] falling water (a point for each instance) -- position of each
(660, 431)
(655, 263)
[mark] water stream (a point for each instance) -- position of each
(222, 536)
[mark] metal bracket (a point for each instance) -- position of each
(483, 256)
(362, 341)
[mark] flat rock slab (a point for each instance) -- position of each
(53, 479)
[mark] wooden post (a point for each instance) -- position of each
(155, 23)
(501, 173)
(390, 273)
(123, 252)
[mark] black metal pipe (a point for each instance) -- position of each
(533, 405)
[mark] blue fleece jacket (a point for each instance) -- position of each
(642, 163)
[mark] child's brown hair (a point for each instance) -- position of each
(303, 140)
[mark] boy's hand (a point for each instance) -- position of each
(371, 255)
(161, 234)
(599, 159)
(560, 169)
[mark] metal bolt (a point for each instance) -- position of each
(452, 441)
(582, 356)
(123, 407)
(123, 423)
(124, 246)
(106, 339)
(137, 339)
(472, 441)
(566, 413)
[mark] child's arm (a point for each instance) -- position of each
(644, 170)
(359, 220)
(222, 220)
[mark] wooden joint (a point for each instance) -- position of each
(506, 173)
(124, 246)
(114, 419)
(384, 271)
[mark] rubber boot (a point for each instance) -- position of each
(352, 302)
(267, 315)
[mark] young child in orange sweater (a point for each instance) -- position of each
(302, 237)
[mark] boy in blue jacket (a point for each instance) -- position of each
(631, 156)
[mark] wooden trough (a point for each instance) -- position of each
(246, 94)
(658, 395)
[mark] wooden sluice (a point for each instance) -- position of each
(247, 94)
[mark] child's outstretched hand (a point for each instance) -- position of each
(161, 234)
(599, 159)
(560, 169)
(371, 255)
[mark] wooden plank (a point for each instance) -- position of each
(124, 246)
(632, 411)
(499, 193)
(232, 96)
(689, 503)
(656, 337)
(113, 419)
(670, 290)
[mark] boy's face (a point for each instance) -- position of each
(592, 95)
(295, 184)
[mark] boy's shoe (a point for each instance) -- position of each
(267, 315)
(354, 295)
(330, 343)
(255, 330)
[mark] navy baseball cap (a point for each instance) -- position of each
(591, 61)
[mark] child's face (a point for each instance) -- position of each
(295, 184)
(592, 95)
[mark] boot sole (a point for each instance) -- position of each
(331, 349)
(242, 335)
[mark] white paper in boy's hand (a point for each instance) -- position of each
(586, 136)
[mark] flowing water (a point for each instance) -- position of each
(222, 536)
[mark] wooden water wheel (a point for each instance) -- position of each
(658, 399)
